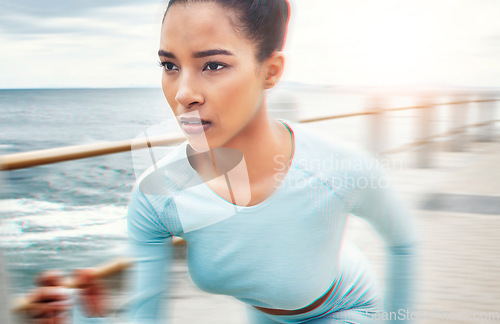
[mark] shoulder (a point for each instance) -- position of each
(151, 201)
(162, 180)
(316, 151)
(352, 172)
(168, 175)
(174, 157)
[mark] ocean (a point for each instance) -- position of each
(69, 214)
(72, 214)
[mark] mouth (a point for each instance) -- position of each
(193, 121)
(194, 125)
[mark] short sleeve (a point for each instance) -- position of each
(378, 203)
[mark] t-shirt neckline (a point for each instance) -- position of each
(264, 202)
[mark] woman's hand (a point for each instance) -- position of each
(51, 301)
(92, 292)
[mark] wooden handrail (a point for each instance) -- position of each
(41, 157)
(102, 271)
(67, 153)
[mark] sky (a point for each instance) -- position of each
(114, 43)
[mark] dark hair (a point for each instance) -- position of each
(262, 21)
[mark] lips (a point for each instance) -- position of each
(193, 121)
(194, 124)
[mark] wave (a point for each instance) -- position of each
(29, 222)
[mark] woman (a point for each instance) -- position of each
(262, 203)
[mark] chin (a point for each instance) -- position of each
(201, 143)
(198, 145)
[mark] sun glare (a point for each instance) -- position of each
(398, 49)
(372, 43)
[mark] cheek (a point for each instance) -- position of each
(168, 91)
(243, 91)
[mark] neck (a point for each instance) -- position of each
(265, 144)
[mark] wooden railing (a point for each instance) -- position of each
(48, 156)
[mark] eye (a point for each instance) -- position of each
(214, 66)
(169, 66)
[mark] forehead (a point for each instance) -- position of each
(196, 26)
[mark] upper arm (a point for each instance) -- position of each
(381, 206)
(150, 244)
(377, 201)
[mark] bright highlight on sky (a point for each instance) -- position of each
(113, 43)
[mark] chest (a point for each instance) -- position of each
(242, 191)
(265, 248)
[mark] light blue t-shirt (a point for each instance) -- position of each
(280, 253)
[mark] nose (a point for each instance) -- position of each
(189, 92)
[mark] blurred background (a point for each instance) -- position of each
(415, 82)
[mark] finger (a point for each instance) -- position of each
(92, 293)
(49, 294)
(47, 299)
(85, 277)
(49, 278)
(54, 310)
(39, 306)
(62, 318)
(93, 299)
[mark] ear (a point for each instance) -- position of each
(274, 69)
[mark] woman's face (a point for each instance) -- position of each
(210, 72)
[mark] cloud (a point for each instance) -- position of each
(80, 45)
(68, 43)
(63, 8)
(30, 18)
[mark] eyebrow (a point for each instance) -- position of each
(165, 54)
(212, 53)
(198, 54)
